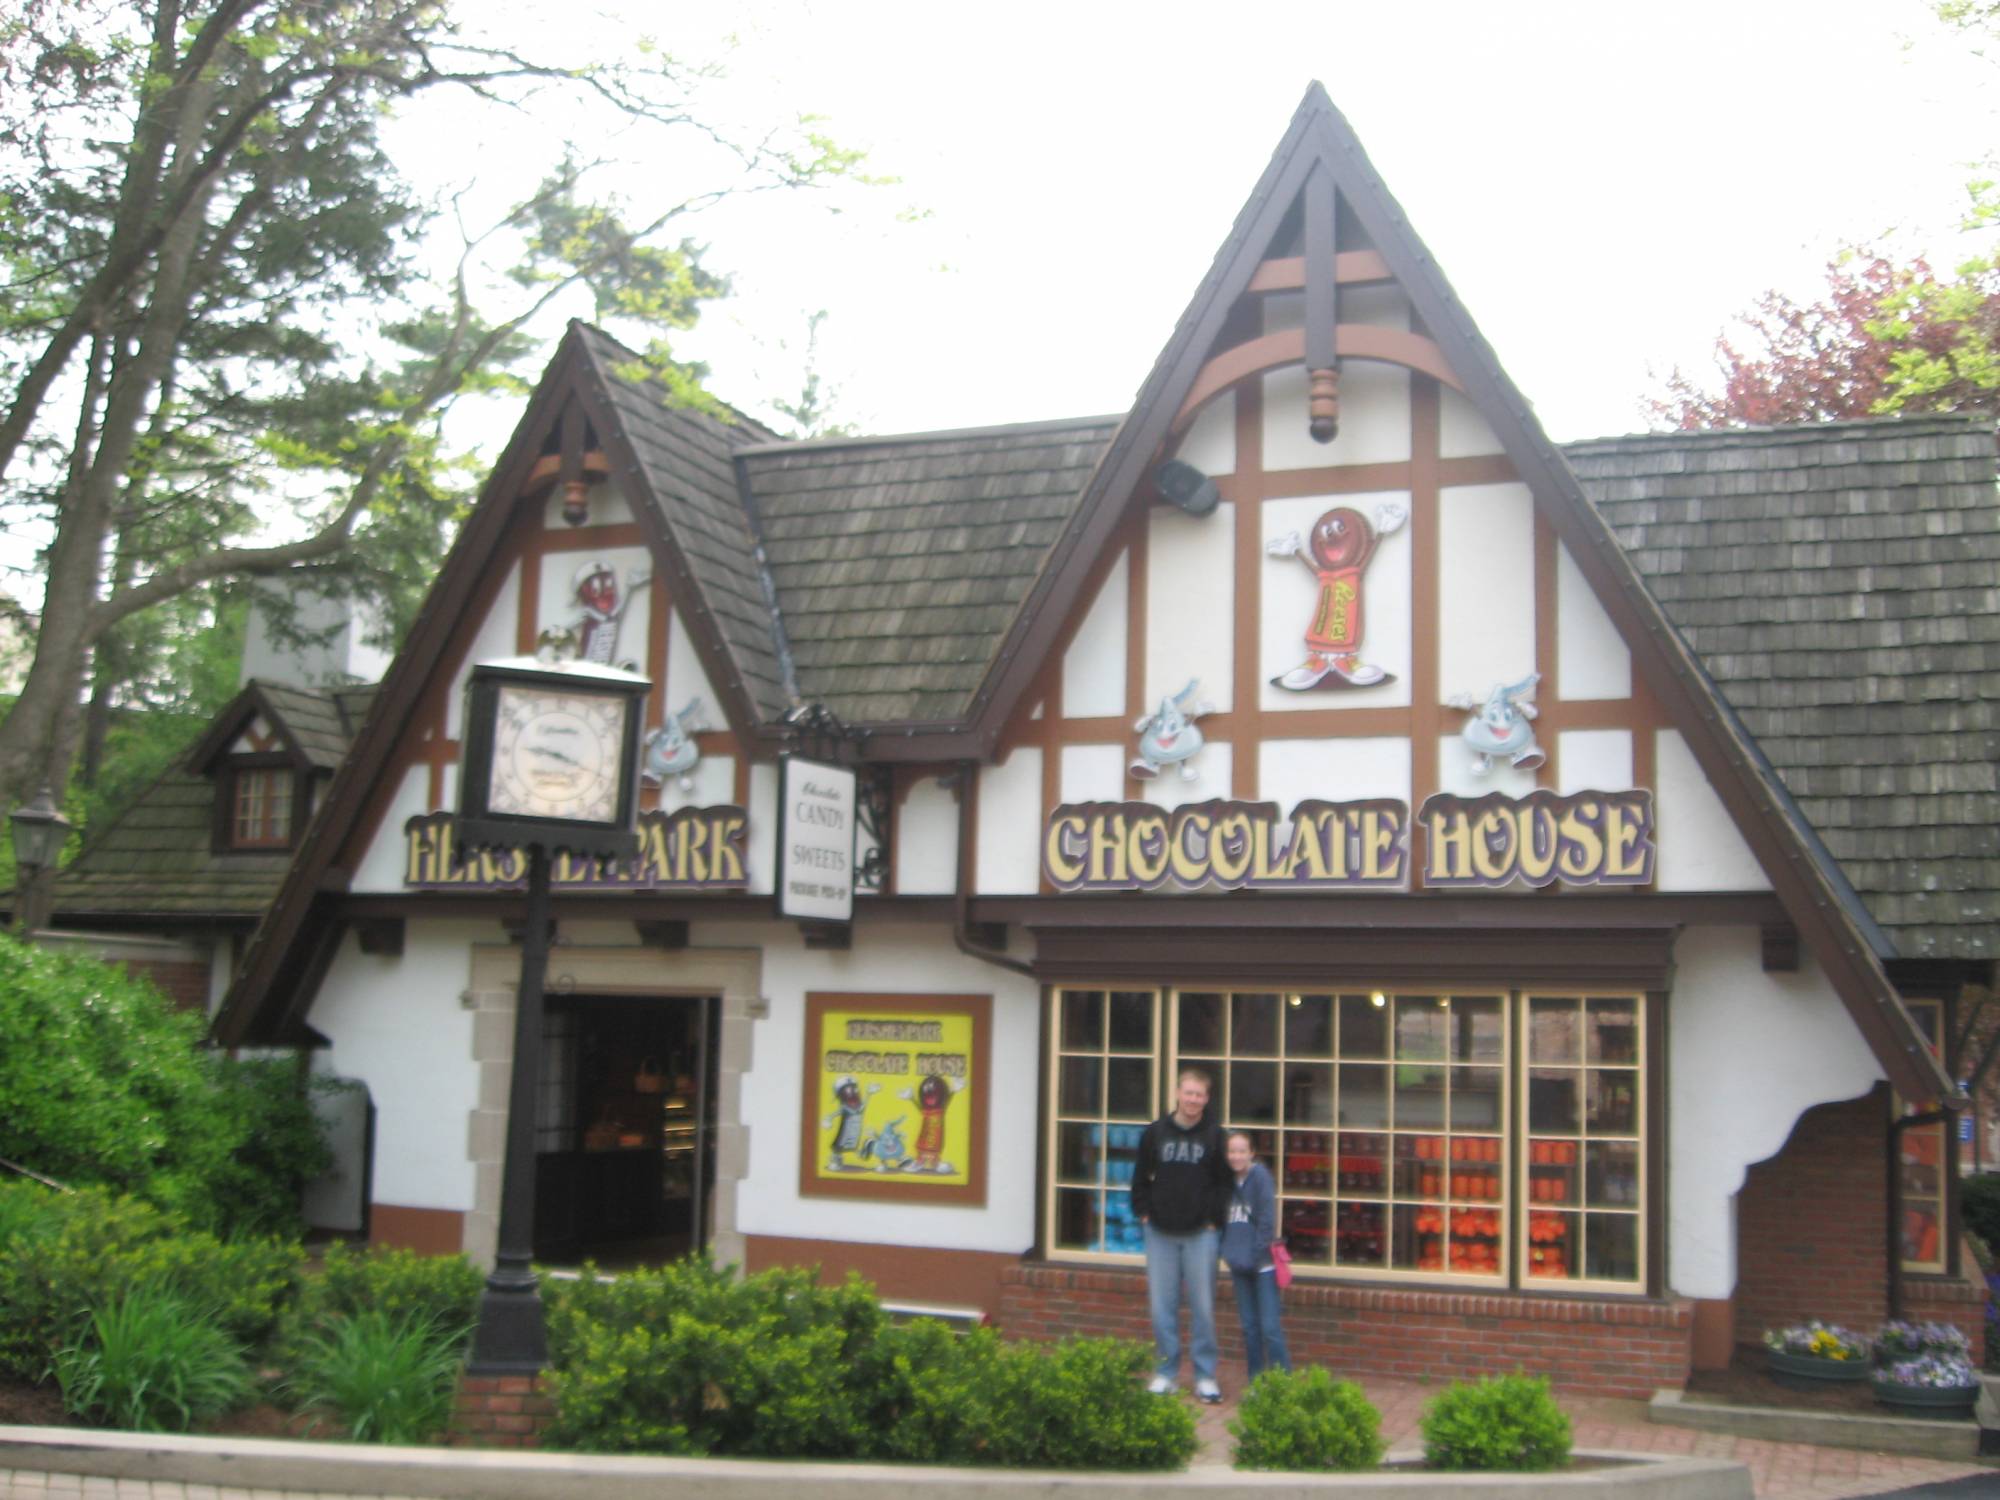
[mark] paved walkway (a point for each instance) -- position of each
(1782, 1471)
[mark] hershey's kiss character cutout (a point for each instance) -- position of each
(1167, 736)
(670, 750)
(591, 633)
(1336, 552)
(931, 1097)
(891, 1154)
(1499, 728)
(850, 1108)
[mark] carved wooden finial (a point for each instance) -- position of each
(1323, 405)
(576, 502)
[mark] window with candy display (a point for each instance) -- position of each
(1468, 1137)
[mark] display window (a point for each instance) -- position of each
(1923, 1165)
(1411, 1133)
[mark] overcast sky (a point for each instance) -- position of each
(1603, 183)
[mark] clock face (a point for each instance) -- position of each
(556, 754)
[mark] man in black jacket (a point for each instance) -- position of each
(1180, 1190)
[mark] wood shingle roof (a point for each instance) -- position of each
(1841, 584)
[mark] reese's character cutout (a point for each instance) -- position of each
(932, 1096)
(1336, 552)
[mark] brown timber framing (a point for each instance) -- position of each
(1665, 672)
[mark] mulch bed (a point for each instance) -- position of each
(24, 1405)
(1748, 1383)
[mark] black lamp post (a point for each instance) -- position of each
(551, 763)
(39, 834)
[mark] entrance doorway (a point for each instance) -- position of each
(624, 1134)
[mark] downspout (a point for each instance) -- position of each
(1896, 1129)
(961, 926)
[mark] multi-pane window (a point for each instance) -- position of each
(1924, 1164)
(1482, 1136)
(1106, 1091)
(1583, 1218)
(261, 813)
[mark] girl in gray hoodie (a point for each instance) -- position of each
(1246, 1250)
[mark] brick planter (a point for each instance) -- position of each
(500, 1411)
(1607, 1348)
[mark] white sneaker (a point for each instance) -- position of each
(1208, 1392)
(1159, 1385)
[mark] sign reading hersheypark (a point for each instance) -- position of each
(693, 849)
(1587, 838)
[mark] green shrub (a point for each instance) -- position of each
(150, 1361)
(103, 1082)
(1506, 1422)
(88, 1249)
(388, 1377)
(689, 1360)
(1306, 1421)
(441, 1291)
(1979, 1205)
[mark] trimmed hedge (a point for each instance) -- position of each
(690, 1360)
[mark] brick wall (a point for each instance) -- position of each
(500, 1411)
(1608, 1348)
(1812, 1232)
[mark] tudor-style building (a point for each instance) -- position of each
(1305, 724)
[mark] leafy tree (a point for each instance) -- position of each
(1885, 338)
(214, 312)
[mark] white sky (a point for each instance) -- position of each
(1603, 183)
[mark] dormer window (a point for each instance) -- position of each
(261, 807)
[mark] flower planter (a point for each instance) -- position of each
(1926, 1399)
(1808, 1372)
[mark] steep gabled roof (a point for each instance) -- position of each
(722, 564)
(900, 563)
(158, 862)
(1841, 583)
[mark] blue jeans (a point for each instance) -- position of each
(1263, 1336)
(1174, 1261)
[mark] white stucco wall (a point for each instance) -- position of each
(1008, 844)
(1340, 770)
(1749, 1053)
(1093, 671)
(1486, 588)
(1191, 602)
(1700, 849)
(607, 504)
(887, 958)
(1462, 431)
(382, 868)
(926, 852)
(494, 641)
(1593, 760)
(1591, 657)
(397, 1024)
(1210, 441)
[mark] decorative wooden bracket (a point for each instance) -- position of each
(828, 937)
(1322, 309)
(667, 935)
(1781, 948)
(575, 493)
(381, 937)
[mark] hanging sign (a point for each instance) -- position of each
(694, 849)
(1587, 838)
(816, 825)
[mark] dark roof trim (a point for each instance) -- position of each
(273, 965)
(230, 722)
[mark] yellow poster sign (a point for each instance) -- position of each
(895, 1097)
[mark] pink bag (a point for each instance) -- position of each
(1281, 1264)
